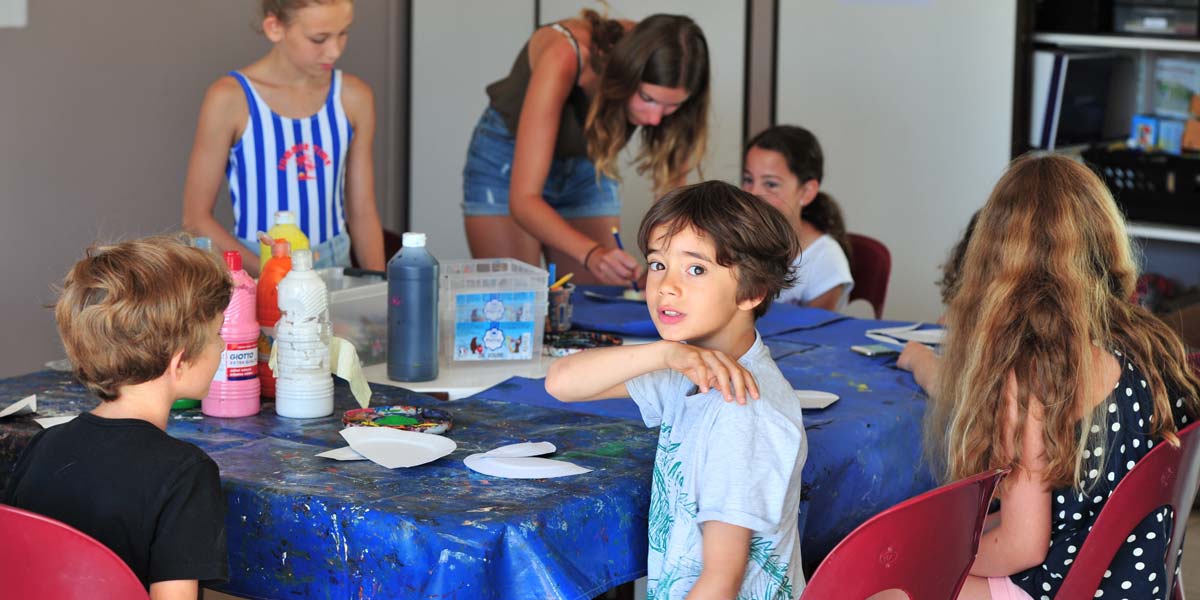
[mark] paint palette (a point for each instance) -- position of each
(815, 399)
(402, 417)
(570, 342)
(614, 297)
(392, 448)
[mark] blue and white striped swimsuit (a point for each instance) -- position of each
(290, 164)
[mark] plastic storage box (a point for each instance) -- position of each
(358, 312)
(492, 310)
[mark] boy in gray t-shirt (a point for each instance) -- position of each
(727, 475)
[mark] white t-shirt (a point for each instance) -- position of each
(821, 267)
(722, 461)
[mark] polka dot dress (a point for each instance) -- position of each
(1137, 570)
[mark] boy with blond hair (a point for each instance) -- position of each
(726, 490)
(140, 322)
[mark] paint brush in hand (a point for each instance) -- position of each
(620, 246)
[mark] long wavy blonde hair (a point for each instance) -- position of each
(665, 50)
(1047, 275)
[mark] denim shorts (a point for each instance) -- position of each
(571, 185)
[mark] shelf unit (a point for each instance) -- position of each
(1123, 42)
(1169, 249)
(1168, 233)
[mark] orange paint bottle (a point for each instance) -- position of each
(268, 308)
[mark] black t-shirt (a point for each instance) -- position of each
(154, 500)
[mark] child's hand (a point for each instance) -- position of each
(922, 362)
(711, 368)
(914, 356)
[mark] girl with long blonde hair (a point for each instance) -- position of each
(1051, 371)
(541, 172)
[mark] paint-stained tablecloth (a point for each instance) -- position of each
(305, 527)
(864, 450)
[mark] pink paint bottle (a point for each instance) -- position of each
(235, 386)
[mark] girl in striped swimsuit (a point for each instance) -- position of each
(290, 132)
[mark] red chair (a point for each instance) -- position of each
(44, 558)
(870, 266)
(1167, 476)
(923, 546)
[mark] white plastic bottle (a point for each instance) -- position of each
(303, 383)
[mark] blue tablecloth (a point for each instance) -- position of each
(305, 527)
(864, 450)
(631, 318)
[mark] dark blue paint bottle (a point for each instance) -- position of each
(413, 312)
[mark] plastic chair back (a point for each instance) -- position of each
(1166, 476)
(923, 546)
(871, 266)
(44, 558)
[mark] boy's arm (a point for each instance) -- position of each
(725, 550)
(602, 372)
(179, 589)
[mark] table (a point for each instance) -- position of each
(300, 526)
(305, 527)
(865, 451)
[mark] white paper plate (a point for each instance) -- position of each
(523, 449)
(343, 453)
(815, 399)
(522, 467)
(393, 448)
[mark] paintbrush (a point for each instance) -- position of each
(620, 246)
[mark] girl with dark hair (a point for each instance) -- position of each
(541, 171)
(783, 166)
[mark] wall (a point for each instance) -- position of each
(458, 47)
(912, 102)
(97, 116)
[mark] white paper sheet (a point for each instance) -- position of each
(24, 406)
(815, 399)
(905, 333)
(343, 453)
(48, 422)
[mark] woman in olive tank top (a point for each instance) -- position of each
(541, 170)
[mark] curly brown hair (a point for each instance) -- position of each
(126, 309)
(748, 235)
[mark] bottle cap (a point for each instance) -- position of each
(280, 248)
(285, 217)
(413, 240)
(233, 258)
(302, 260)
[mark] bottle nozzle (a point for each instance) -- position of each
(233, 258)
(302, 260)
(280, 248)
